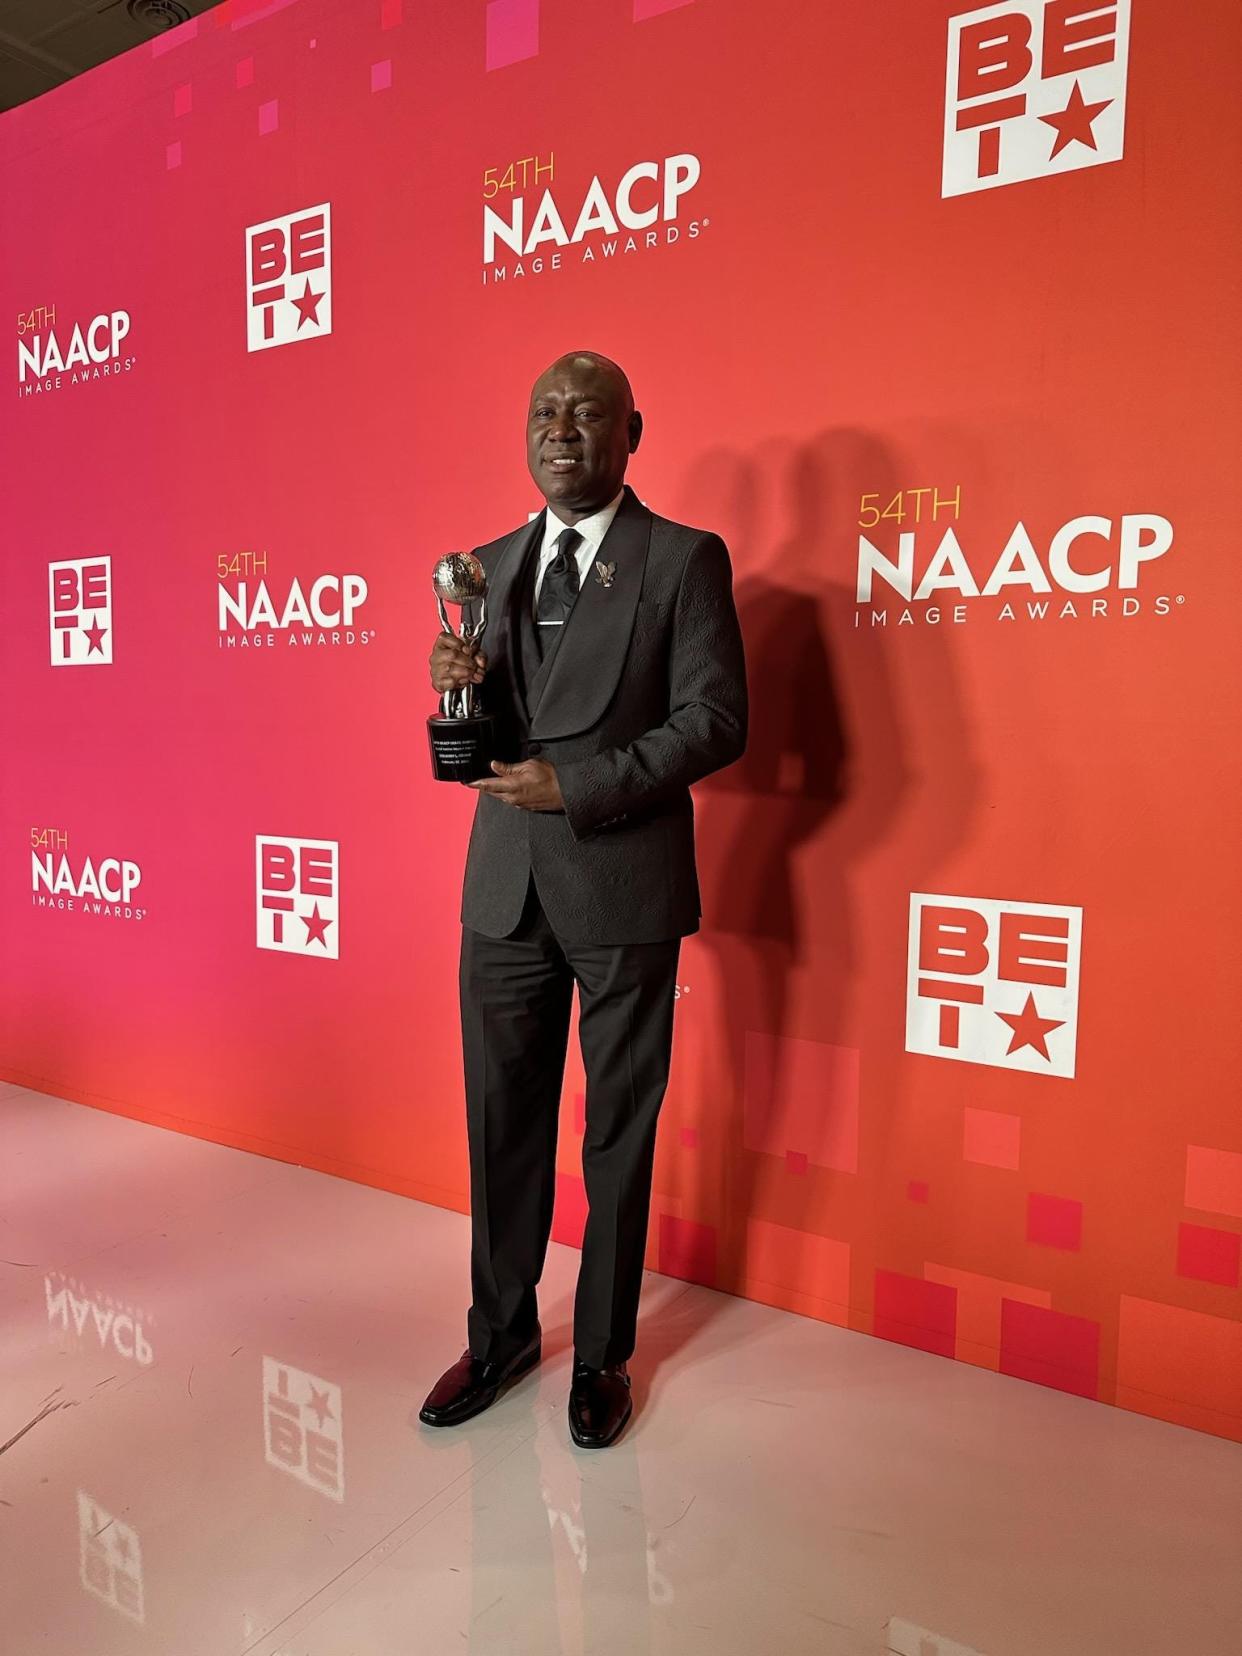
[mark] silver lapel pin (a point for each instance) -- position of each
(604, 573)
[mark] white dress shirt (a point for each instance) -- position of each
(592, 529)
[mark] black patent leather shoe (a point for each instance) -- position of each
(599, 1404)
(472, 1385)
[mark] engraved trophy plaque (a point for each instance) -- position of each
(461, 734)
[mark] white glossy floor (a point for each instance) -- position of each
(210, 1366)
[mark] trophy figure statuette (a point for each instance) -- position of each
(461, 734)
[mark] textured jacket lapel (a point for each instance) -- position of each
(590, 654)
(504, 595)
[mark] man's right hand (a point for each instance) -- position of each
(454, 664)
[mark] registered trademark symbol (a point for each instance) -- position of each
(706, 222)
(1181, 598)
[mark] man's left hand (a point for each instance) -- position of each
(530, 785)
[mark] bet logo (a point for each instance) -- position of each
(289, 278)
(297, 901)
(302, 1432)
(80, 612)
(992, 982)
(1033, 87)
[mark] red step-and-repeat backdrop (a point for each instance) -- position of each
(932, 313)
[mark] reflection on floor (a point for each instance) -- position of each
(211, 1370)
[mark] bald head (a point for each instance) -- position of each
(592, 362)
(581, 429)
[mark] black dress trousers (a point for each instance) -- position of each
(516, 993)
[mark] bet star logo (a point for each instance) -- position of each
(110, 1558)
(991, 982)
(297, 896)
(289, 278)
(302, 1432)
(80, 612)
(1034, 87)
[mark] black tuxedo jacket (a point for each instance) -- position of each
(642, 693)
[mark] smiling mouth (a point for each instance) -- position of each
(563, 462)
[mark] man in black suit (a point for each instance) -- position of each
(615, 672)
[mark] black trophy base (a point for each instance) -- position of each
(461, 749)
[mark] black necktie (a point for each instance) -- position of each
(558, 589)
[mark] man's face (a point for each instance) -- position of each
(580, 433)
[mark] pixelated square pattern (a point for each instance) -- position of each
(979, 1298)
(241, 13)
(798, 1262)
(1214, 1180)
(512, 31)
(172, 38)
(1180, 1365)
(1054, 1221)
(1050, 1348)
(644, 9)
(1209, 1255)
(801, 1097)
(687, 1249)
(991, 1138)
(915, 1312)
